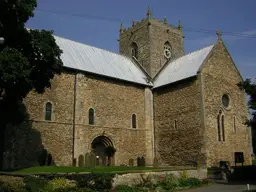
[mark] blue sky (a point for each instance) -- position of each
(236, 17)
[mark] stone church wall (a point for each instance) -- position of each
(178, 123)
(27, 140)
(114, 103)
(219, 76)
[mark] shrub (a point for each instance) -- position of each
(11, 187)
(126, 188)
(35, 184)
(169, 182)
(59, 184)
(95, 181)
(193, 182)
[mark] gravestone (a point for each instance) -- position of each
(131, 162)
(138, 162)
(155, 162)
(143, 162)
(92, 160)
(87, 160)
(81, 161)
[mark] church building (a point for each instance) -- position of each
(150, 100)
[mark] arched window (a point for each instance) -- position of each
(134, 47)
(48, 111)
(234, 123)
(223, 128)
(175, 124)
(91, 116)
(134, 123)
(218, 124)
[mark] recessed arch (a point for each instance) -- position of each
(134, 50)
(98, 146)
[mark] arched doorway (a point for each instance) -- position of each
(98, 146)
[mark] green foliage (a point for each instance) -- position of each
(35, 184)
(60, 185)
(11, 187)
(95, 181)
(145, 181)
(126, 188)
(250, 88)
(29, 59)
(169, 182)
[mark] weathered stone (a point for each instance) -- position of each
(176, 123)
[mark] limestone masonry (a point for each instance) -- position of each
(150, 101)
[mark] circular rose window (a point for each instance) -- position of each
(225, 101)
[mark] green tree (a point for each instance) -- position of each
(29, 59)
(250, 88)
(110, 152)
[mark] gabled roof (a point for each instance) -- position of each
(183, 67)
(98, 61)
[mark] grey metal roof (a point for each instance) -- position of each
(94, 60)
(183, 67)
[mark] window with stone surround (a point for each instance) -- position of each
(134, 47)
(218, 127)
(91, 116)
(234, 123)
(223, 127)
(134, 121)
(175, 124)
(48, 111)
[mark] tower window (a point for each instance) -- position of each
(134, 121)
(167, 50)
(91, 116)
(48, 111)
(134, 50)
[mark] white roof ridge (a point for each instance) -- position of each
(182, 67)
(168, 63)
(99, 61)
(90, 45)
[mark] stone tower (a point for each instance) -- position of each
(151, 42)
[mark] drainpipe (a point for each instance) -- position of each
(74, 118)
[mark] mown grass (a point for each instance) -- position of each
(98, 169)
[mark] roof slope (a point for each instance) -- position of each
(98, 61)
(183, 67)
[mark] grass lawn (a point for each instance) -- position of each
(99, 169)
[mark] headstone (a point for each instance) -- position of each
(74, 162)
(155, 162)
(49, 160)
(143, 162)
(131, 162)
(138, 162)
(92, 161)
(87, 160)
(81, 161)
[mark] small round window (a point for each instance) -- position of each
(225, 101)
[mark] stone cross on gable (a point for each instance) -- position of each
(218, 32)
